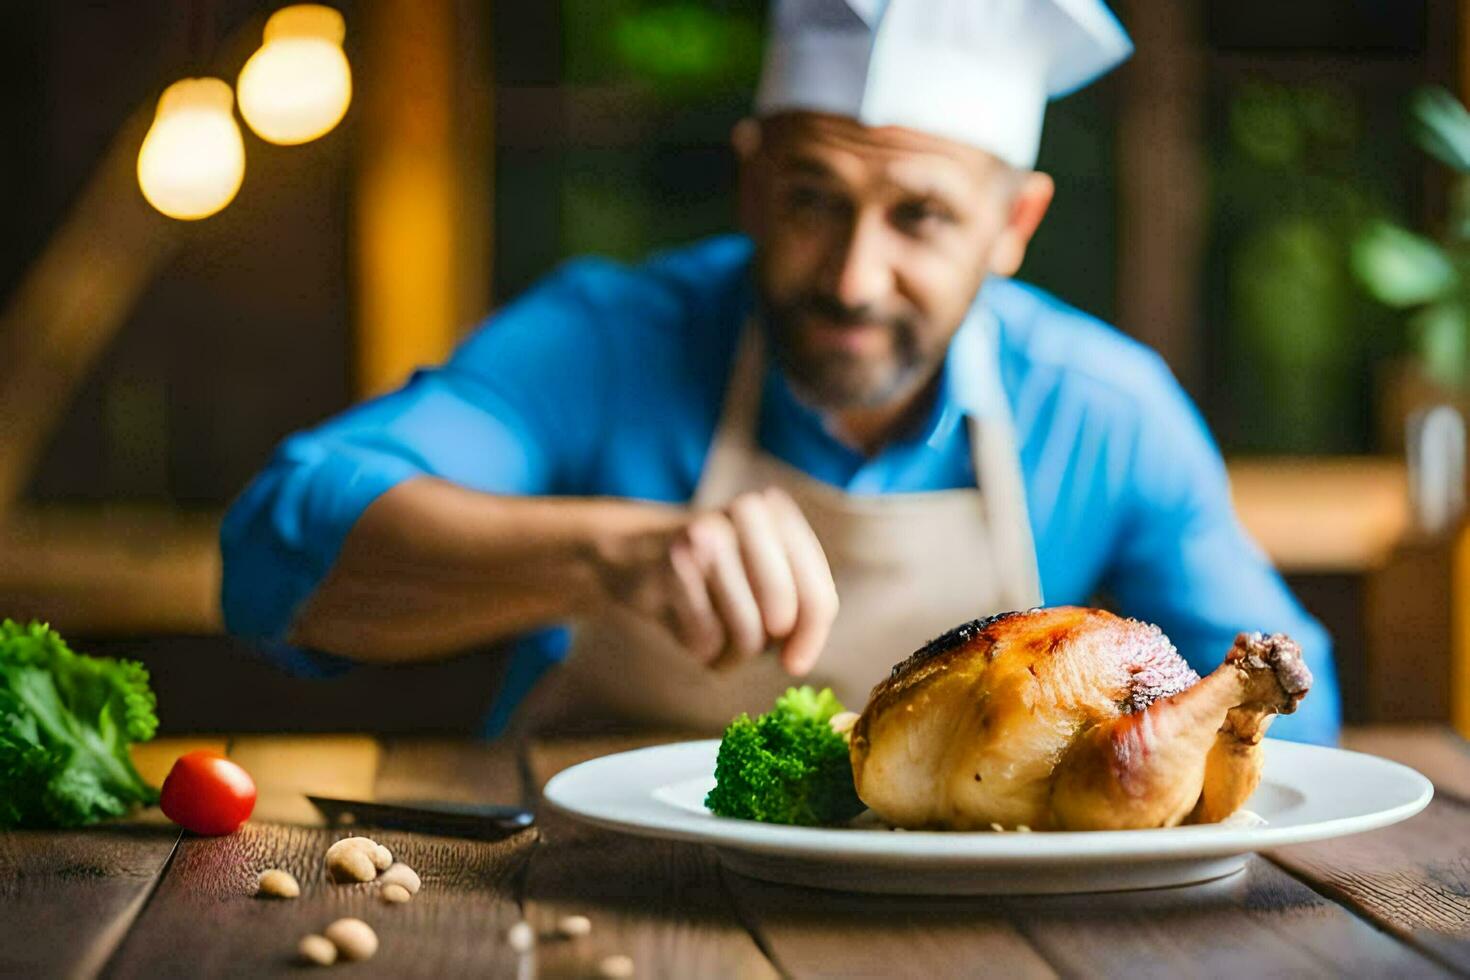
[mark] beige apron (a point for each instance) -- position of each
(907, 567)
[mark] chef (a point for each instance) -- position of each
(788, 455)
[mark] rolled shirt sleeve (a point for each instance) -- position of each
(516, 410)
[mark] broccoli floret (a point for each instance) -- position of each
(65, 724)
(787, 766)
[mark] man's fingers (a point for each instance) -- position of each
(716, 548)
(766, 563)
(696, 622)
(816, 594)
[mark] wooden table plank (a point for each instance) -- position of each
(1199, 930)
(812, 933)
(67, 898)
(661, 903)
(676, 913)
(1261, 922)
(203, 918)
(1413, 879)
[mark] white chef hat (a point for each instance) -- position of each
(975, 71)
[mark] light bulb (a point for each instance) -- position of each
(297, 86)
(193, 159)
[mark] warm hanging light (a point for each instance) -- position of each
(297, 86)
(193, 159)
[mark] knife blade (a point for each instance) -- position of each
(478, 821)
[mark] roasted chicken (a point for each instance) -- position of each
(1069, 719)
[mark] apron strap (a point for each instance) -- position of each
(997, 461)
(998, 471)
(735, 433)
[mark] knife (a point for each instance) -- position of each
(479, 821)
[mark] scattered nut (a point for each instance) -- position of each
(382, 857)
(353, 859)
(843, 721)
(617, 967)
(317, 949)
(997, 828)
(351, 864)
(1022, 829)
(350, 842)
(354, 938)
(574, 926)
(275, 883)
(401, 874)
(521, 937)
(395, 893)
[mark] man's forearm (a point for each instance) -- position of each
(431, 568)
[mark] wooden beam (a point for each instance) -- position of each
(420, 200)
(1460, 633)
(113, 571)
(1162, 183)
(73, 300)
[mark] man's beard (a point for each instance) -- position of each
(838, 380)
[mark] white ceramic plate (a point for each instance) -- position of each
(1307, 793)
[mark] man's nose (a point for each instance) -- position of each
(860, 274)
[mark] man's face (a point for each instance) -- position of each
(871, 245)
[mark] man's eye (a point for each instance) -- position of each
(918, 215)
(813, 199)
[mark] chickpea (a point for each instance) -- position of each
(617, 967)
(275, 883)
(351, 864)
(353, 859)
(354, 938)
(317, 949)
(402, 874)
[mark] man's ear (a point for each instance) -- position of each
(1028, 206)
(745, 138)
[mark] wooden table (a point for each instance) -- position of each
(138, 900)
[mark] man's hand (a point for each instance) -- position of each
(728, 584)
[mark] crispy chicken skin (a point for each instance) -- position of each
(1069, 719)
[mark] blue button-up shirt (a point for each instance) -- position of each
(608, 380)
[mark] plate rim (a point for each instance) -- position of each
(984, 848)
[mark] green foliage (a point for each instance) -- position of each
(1400, 268)
(787, 766)
(1441, 126)
(687, 44)
(65, 724)
(1294, 182)
(1410, 272)
(680, 51)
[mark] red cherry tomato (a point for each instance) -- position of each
(207, 793)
